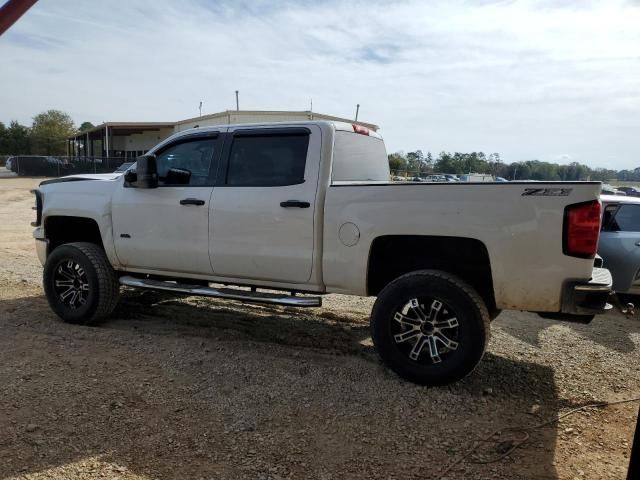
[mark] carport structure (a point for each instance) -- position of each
(118, 139)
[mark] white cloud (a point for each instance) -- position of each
(526, 79)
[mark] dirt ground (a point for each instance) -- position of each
(190, 388)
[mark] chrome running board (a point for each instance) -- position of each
(228, 293)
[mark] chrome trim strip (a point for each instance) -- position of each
(592, 288)
(241, 295)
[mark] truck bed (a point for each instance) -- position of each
(519, 223)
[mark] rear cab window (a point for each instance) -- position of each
(359, 158)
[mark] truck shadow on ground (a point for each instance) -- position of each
(612, 330)
(174, 388)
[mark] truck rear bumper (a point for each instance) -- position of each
(582, 300)
(588, 298)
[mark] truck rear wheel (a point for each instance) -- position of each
(430, 327)
(80, 283)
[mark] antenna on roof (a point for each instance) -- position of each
(357, 111)
(200, 108)
(237, 102)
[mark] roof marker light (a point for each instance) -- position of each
(360, 129)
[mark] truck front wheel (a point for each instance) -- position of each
(80, 283)
(430, 327)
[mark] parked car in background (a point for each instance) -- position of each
(501, 179)
(7, 164)
(436, 178)
(631, 191)
(123, 168)
(476, 177)
(610, 190)
(620, 241)
(451, 178)
(40, 165)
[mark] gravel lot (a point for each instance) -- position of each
(190, 388)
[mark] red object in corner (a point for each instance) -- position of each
(11, 11)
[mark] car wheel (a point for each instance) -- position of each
(80, 283)
(430, 327)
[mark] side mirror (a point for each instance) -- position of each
(130, 177)
(146, 172)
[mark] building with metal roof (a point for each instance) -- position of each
(128, 140)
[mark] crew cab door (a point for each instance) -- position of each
(262, 215)
(167, 228)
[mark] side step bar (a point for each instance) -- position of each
(229, 293)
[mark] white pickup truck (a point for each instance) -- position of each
(307, 208)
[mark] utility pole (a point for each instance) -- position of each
(237, 102)
(200, 108)
(357, 111)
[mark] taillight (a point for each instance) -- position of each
(360, 129)
(582, 229)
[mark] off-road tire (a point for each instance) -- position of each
(103, 286)
(460, 300)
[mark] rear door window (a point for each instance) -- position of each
(267, 160)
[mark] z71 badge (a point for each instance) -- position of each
(547, 192)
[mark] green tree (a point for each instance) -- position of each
(15, 140)
(3, 139)
(49, 132)
(429, 162)
(415, 161)
(84, 126)
(445, 163)
(397, 162)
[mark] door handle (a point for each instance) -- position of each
(295, 204)
(637, 244)
(191, 201)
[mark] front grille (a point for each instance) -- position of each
(37, 208)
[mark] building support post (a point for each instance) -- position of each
(106, 141)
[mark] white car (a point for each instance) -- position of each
(308, 207)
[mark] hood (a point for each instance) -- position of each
(83, 177)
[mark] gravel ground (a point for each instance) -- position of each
(175, 387)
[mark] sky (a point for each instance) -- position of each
(549, 80)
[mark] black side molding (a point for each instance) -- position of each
(295, 204)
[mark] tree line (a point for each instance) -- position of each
(418, 164)
(47, 135)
